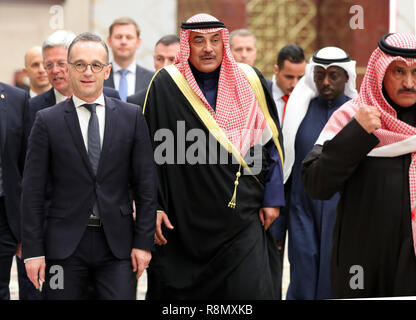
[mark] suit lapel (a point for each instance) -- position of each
(50, 99)
(111, 118)
(110, 81)
(72, 121)
(3, 116)
(138, 79)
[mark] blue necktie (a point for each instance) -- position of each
(122, 88)
(94, 145)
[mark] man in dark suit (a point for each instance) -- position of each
(125, 75)
(95, 149)
(166, 49)
(13, 134)
(54, 52)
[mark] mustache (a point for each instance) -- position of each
(208, 56)
(327, 88)
(411, 90)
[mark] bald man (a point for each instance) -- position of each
(36, 72)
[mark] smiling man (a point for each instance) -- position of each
(219, 246)
(367, 153)
(89, 231)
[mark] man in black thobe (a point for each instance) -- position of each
(211, 123)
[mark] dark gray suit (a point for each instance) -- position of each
(56, 149)
(143, 78)
(14, 124)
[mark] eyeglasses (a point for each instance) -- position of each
(82, 66)
(59, 64)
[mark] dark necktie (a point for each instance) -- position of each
(94, 146)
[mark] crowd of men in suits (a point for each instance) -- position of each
(53, 80)
(50, 84)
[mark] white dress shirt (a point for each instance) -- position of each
(59, 97)
(278, 100)
(131, 77)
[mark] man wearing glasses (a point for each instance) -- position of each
(95, 149)
(54, 51)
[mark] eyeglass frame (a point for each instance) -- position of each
(60, 64)
(88, 64)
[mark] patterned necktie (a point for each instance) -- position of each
(122, 88)
(94, 146)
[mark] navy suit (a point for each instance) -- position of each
(143, 78)
(56, 149)
(13, 136)
(46, 99)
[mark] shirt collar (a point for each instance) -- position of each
(32, 93)
(78, 102)
(131, 68)
(277, 92)
(59, 97)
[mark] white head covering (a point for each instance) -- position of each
(306, 90)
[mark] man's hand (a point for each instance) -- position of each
(369, 118)
(268, 215)
(35, 269)
(140, 260)
(19, 250)
(161, 217)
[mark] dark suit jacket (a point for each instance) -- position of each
(56, 149)
(143, 78)
(138, 98)
(279, 226)
(47, 99)
(14, 128)
(269, 86)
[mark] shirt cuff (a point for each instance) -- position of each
(33, 258)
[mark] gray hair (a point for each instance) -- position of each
(88, 37)
(58, 38)
(242, 33)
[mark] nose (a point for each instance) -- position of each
(88, 71)
(408, 81)
(166, 62)
(326, 81)
(42, 68)
(55, 68)
(208, 47)
(295, 82)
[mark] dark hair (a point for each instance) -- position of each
(291, 52)
(88, 37)
(124, 21)
(168, 40)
